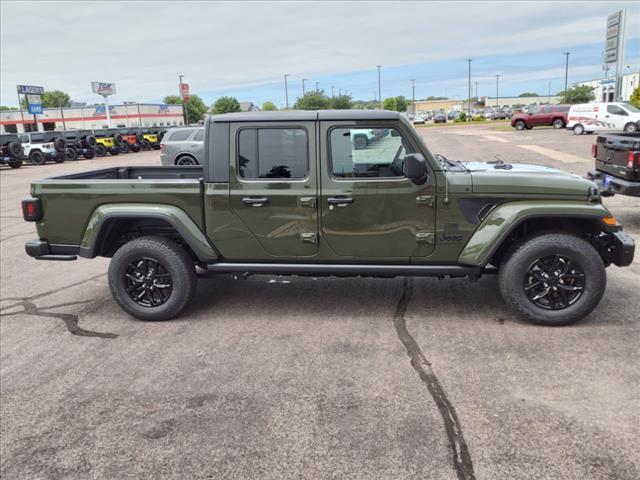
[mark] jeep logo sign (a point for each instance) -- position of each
(104, 89)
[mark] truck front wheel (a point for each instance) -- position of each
(553, 279)
(152, 278)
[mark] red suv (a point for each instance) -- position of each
(547, 115)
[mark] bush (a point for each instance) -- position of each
(462, 117)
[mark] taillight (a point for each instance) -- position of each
(594, 150)
(633, 160)
(32, 209)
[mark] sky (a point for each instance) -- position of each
(243, 48)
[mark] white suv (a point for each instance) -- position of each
(42, 146)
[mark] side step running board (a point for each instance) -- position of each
(346, 269)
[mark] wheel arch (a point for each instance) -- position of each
(185, 154)
(111, 225)
(517, 220)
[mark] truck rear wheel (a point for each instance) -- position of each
(124, 148)
(553, 279)
(100, 150)
(152, 278)
(37, 157)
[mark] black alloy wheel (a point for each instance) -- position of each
(554, 282)
(148, 282)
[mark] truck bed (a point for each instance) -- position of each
(137, 173)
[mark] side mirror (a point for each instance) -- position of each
(415, 168)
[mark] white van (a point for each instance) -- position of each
(595, 117)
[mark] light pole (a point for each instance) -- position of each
(476, 83)
(497, 89)
(303, 92)
(286, 90)
(549, 93)
(332, 88)
(339, 92)
(184, 110)
(379, 87)
(317, 86)
(469, 60)
(566, 71)
(413, 94)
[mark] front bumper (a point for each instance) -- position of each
(43, 250)
(614, 185)
(619, 249)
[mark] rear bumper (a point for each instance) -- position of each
(614, 185)
(43, 250)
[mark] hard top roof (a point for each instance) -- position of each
(305, 115)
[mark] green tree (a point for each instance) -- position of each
(2, 107)
(402, 103)
(364, 104)
(314, 100)
(172, 100)
(390, 104)
(577, 94)
(340, 102)
(269, 106)
(225, 105)
(634, 99)
(528, 94)
(430, 97)
(55, 98)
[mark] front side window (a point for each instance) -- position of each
(272, 153)
(199, 137)
(367, 152)
(615, 110)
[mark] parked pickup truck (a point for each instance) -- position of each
(289, 193)
(617, 164)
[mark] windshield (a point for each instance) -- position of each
(630, 108)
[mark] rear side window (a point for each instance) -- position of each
(37, 138)
(199, 136)
(272, 153)
(562, 108)
(180, 135)
(547, 109)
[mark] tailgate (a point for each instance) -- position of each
(612, 155)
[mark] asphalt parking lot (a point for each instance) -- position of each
(277, 377)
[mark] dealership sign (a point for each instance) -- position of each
(613, 37)
(184, 91)
(104, 89)
(30, 89)
(34, 104)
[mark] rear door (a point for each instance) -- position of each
(369, 209)
(616, 117)
(273, 185)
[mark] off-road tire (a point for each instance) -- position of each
(115, 150)
(146, 145)
(124, 148)
(15, 163)
(118, 140)
(15, 149)
(37, 157)
(174, 259)
(89, 155)
(558, 123)
(59, 144)
(135, 148)
(90, 140)
(100, 150)
(520, 125)
(515, 266)
(70, 153)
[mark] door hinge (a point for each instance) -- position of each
(307, 202)
(428, 200)
(427, 238)
(309, 237)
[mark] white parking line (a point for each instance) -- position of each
(495, 138)
(554, 154)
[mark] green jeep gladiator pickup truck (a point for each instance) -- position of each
(289, 193)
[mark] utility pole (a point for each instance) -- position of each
(317, 87)
(303, 92)
(413, 92)
(566, 71)
(476, 83)
(286, 90)
(332, 88)
(497, 90)
(184, 110)
(469, 60)
(339, 92)
(379, 87)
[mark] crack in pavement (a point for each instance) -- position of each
(461, 457)
(70, 319)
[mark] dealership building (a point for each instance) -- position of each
(91, 117)
(604, 89)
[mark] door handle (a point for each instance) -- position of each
(339, 201)
(255, 201)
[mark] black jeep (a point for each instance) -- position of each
(80, 142)
(11, 151)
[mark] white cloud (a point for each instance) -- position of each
(144, 46)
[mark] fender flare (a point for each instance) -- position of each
(174, 216)
(502, 220)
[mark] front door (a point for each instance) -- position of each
(273, 187)
(369, 209)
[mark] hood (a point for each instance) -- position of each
(526, 179)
